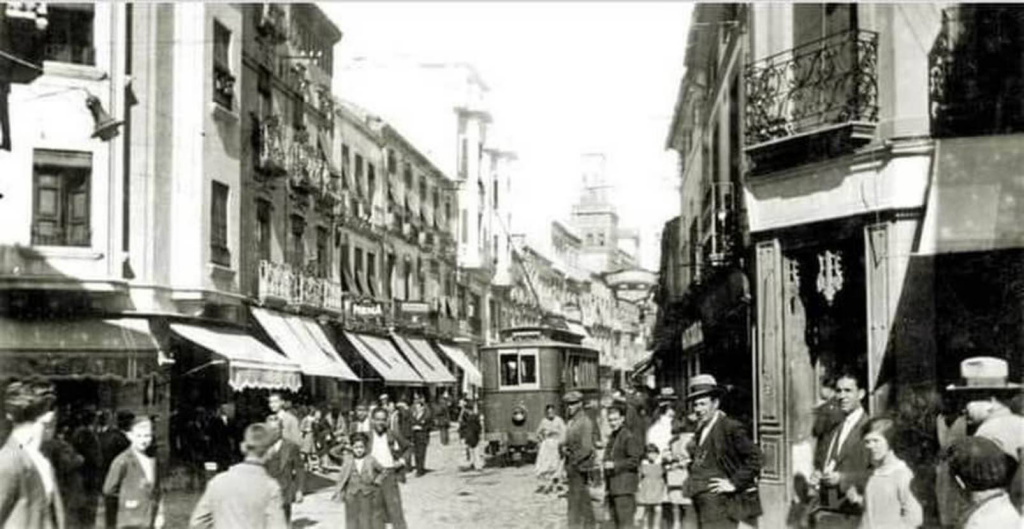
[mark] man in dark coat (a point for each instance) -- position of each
(389, 449)
(224, 437)
(134, 479)
(86, 441)
(578, 451)
(443, 417)
(621, 468)
(421, 425)
(843, 465)
(725, 464)
(284, 464)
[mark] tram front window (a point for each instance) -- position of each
(510, 370)
(527, 369)
(518, 370)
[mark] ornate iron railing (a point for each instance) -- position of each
(275, 281)
(973, 88)
(830, 81)
(271, 153)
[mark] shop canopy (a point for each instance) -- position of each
(293, 337)
(385, 359)
(250, 363)
(423, 359)
(473, 376)
(120, 349)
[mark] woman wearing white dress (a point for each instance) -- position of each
(551, 433)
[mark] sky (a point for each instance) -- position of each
(565, 78)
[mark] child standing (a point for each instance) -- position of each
(308, 445)
(359, 487)
(888, 501)
(651, 492)
(134, 480)
(676, 472)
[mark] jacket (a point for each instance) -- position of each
(727, 448)
(399, 445)
(851, 463)
(243, 496)
(138, 500)
(579, 443)
(287, 468)
(624, 450)
(352, 483)
(23, 503)
(421, 425)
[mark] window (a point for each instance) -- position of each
(321, 252)
(344, 166)
(423, 191)
(69, 34)
(580, 372)
(219, 253)
(298, 114)
(392, 164)
(223, 81)
(518, 370)
(371, 273)
(345, 269)
(495, 254)
(465, 226)
(406, 279)
(298, 253)
(263, 229)
(359, 267)
(600, 239)
(389, 274)
(266, 94)
(359, 175)
(494, 184)
(61, 198)
(463, 155)
(371, 180)
(408, 176)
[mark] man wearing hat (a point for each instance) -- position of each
(986, 394)
(726, 462)
(981, 468)
(578, 450)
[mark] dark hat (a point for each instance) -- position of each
(667, 394)
(572, 397)
(980, 463)
(703, 385)
(985, 374)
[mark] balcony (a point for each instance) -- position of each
(271, 154)
(272, 25)
(974, 90)
(306, 166)
(816, 101)
(282, 285)
(719, 225)
(275, 283)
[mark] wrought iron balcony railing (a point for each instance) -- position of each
(275, 282)
(974, 89)
(283, 284)
(822, 85)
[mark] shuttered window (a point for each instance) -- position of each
(61, 197)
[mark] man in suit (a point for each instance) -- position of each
(388, 448)
(841, 470)
(284, 463)
(621, 468)
(279, 406)
(86, 441)
(113, 441)
(29, 497)
(421, 425)
(223, 436)
(725, 464)
(443, 417)
(134, 480)
(245, 495)
(578, 451)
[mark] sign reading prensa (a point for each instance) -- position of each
(367, 310)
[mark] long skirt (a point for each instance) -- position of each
(549, 460)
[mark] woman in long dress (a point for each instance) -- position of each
(551, 433)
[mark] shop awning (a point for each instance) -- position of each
(76, 349)
(385, 359)
(326, 346)
(643, 365)
(294, 339)
(250, 363)
(456, 355)
(423, 359)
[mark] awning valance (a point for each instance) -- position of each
(385, 359)
(250, 363)
(292, 336)
(423, 359)
(75, 349)
(456, 355)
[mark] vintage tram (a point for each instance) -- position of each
(529, 369)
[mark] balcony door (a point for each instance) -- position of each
(824, 59)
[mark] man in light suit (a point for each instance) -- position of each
(245, 495)
(29, 497)
(841, 470)
(284, 463)
(389, 449)
(279, 406)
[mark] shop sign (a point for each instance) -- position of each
(365, 309)
(414, 307)
(693, 336)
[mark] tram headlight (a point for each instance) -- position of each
(518, 416)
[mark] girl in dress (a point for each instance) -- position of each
(677, 462)
(651, 492)
(551, 434)
(308, 429)
(888, 501)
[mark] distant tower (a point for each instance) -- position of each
(594, 217)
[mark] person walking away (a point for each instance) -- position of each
(86, 441)
(29, 497)
(134, 479)
(551, 433)
(388, 449)
(284, 463)
(421, 425)
(469, 431)
(726, 462)
(679, 506)
(245, 495)
(888, 501)
(443, 417)
(652, 491)
(307, 427)
(578, 451)
(112, 443)
(66, 468)
(621, 469)
(988, 395)
(982, 469)
(359, 484)
(844, 464)
(279, 406)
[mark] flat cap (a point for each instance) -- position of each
(572, 397)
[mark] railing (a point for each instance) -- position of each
(830, 81)
(306, 166)
(271, 154)
(70, 53)
(275, 281)
(974, 89)
(223, 86)
(281, 283)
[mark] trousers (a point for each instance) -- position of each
(622, 509)
(443, 428)
(392, 497)
(420, 440)
(581, 510)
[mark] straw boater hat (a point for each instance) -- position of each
(704, 385)
(984, 374)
